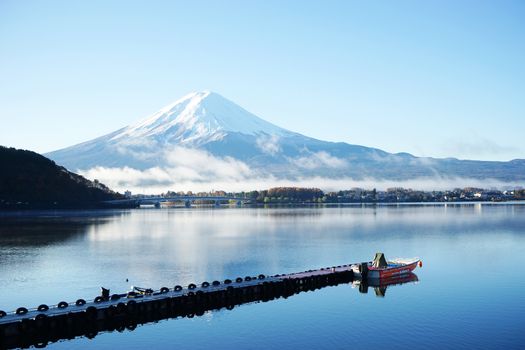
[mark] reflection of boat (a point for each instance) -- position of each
(380, 268)
(380, 285)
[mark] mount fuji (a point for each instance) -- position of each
(206, 137)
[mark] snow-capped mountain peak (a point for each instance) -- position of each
(204, 137)
(197, 118)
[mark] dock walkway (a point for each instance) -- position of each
(37, 326)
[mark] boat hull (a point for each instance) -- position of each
(388, 272)
(392, 272)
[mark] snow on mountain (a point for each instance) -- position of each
(203, 120)
(198, 118)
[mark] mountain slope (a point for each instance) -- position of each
(29, 180)
(209, 123)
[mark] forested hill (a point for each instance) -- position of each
(31, 181)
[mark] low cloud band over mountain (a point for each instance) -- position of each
(205, 141)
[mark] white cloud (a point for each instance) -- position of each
(156, 181)
(196, 165)
(137, 148)
(196, 170)
(269, 144)
(319, 160)
(184, 167)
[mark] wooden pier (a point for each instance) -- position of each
(39, 326)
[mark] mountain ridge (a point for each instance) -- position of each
(207, 122)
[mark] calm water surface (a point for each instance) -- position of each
(469, 294)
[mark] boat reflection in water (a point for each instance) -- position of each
(380, 285)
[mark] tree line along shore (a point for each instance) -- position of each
(291, 195)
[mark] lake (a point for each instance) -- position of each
(469, 292)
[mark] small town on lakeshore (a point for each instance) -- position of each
(299, 195)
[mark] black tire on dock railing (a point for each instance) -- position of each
(142, 307)
(131, 306)
(42, 307)
(238, 279)
(91, 334)
(205, 284)
(80, 302)
(40, 317)
(62, 305)
(41, 344)
(121, 308)
(2, 313)
(216, 283)
(247, 278)
(98, 299)
(177, 288)
(25, 325)
(192, 286)
(227, 281)
(164, 290)
(261, 276)
(110, 311)
(21, 311)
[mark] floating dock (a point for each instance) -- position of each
(39, 326)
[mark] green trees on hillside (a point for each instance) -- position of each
(29, 180)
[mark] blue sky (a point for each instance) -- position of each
(432, 78)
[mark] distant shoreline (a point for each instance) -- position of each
(88, 212)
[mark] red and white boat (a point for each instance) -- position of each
(380, 268)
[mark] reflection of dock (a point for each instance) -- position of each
(380, 285)
(26, 327)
